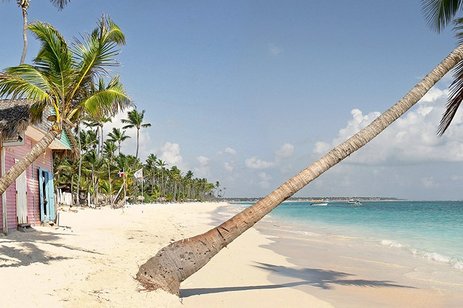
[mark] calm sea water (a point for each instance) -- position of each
(433, 230)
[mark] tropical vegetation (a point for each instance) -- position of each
(135, 120)
(109, 177)
(66, 84)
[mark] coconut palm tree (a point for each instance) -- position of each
(109, 148)
(179, 260)
(97, 124)
(135, 119)
(24, 6)
(118, 136)
(62, 79)
(439, 14)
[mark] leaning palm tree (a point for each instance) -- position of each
(179, 260)
(61, 79)
(24, 6)
(135, 119)
(118, 136)
(439, 14)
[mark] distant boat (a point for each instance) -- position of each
(354, 202)
(319, 204)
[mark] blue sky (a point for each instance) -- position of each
(250, 92)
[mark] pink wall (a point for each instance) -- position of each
(44, 161)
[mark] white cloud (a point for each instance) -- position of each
(228, 167)
(170, 153)
(203, 160)
(203, 170)
(255, 163)
(286, 151)
(230, 151)
(411, 139)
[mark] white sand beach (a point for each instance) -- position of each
(91, 259)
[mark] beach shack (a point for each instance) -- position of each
(30, 199)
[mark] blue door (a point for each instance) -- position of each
(46, 196)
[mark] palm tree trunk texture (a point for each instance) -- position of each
(138, 142)
(75, 148)
(24, 13)
(179, 260)
(18, 168)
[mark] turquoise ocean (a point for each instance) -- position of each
(429, 229)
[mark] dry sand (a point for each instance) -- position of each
(91, 259)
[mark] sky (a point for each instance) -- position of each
(248, 93)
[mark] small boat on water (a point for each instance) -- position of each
(319, 204)
(354, 202)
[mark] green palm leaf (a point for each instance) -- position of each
(24, 81)
(440, 13)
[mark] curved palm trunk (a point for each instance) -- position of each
(179, 260)
(18, 168)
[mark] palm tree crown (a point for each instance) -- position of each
(135, 120)
(117, 136)
(439, 14)
(64, 80)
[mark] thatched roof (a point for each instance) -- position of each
(14, 117)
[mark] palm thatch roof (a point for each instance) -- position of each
(14, 117)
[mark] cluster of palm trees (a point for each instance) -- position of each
(72, 81)
(103, 174)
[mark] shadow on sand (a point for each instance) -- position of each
(25, 251)
(320, 278)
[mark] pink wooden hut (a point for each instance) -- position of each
(30, 199)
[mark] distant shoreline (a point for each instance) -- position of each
(315, 199)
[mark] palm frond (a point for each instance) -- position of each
(108, 101)
(24, 82)
(60, 4)
(454, 100)
(439, 13)
(456, 87)
(97, 51)
(54, 56)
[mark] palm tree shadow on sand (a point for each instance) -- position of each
(320, 278)
(21, 249)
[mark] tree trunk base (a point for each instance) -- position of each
(156, 274)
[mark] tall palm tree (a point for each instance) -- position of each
(61, 79)
(135, 119)
(179, 260)
(109, 148)
(439, 14)
(117, 136)
(87, 142)
(24, 6)
(97, 124)
(151, 167)
(162, 168)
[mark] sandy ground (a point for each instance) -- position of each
(91, 259)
